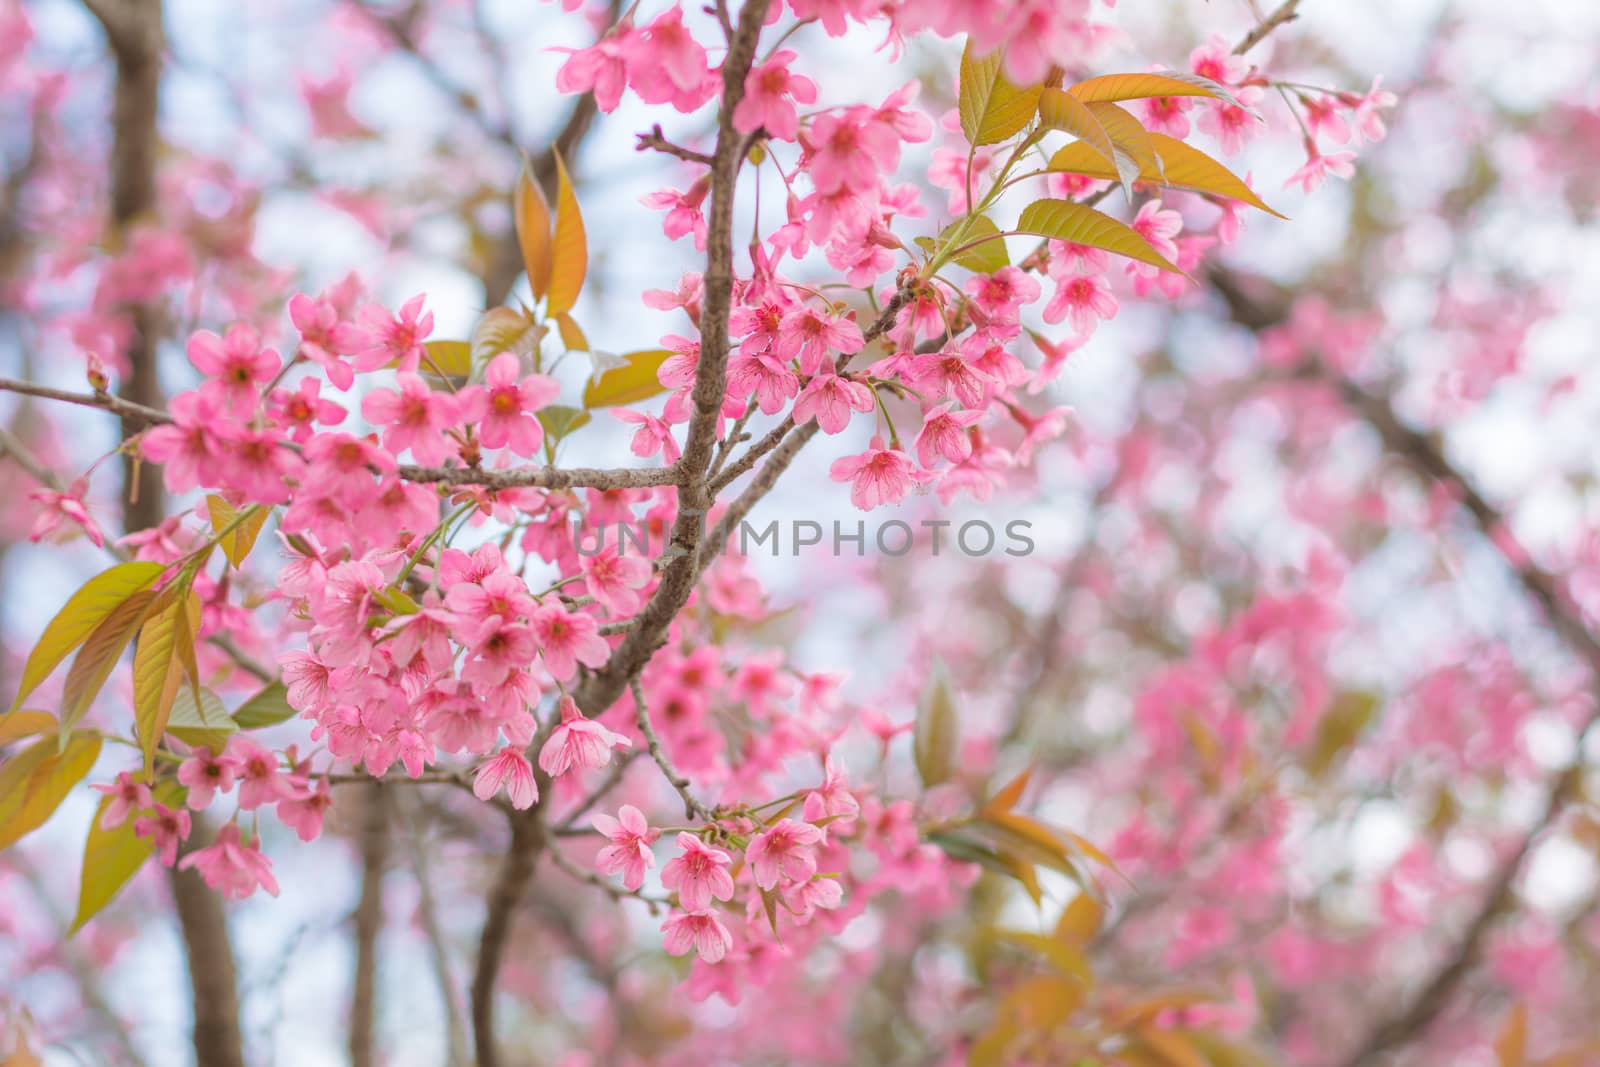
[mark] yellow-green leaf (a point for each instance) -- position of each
(267, 708)
(1060, 110)
(1112, 87)
(99, 655)
(241, 533)
(558, 421)
(937, 731)
(1128, 134)
(35, 781)
(450, 358)
(1172, 1046)
(992, 108)
(531, 213)
(112, 857)
(1339, 728)
(158, 670)
(635, 380)
(1064, 220)
(84, 610)
(205, 724)
(569, 248)
(1182, 167)
(1065, 958)
(975, 243)
(16, 725)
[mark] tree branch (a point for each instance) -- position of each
(373, 845)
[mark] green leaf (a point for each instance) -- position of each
(976, 244)
(99, 655)
(85, 610)
(936, 732)
(1064, 220)
(34, 782)
(267, 708)
(158, 670)
(558, 421)
(112, 857)
(205, 724)
(1112, 87)
(569, 247)
(633, 381)
(992, 108)
(531, 213)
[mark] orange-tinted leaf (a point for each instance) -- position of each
(1065, 221)
(992, 108)
(241, 538)
(1128, 134)
(1042, 1003)
(1112, 87)
(1173, 1047)
(569, 248)
(1511, 1044)
(1080, 920)
(531, 212)
(634, 380)
(572, 335)
(1010, 793)
(1068, 959)
(19, 724)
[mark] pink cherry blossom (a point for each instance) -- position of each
(698, 930)
(628, 853)
(783, 851)
(578, 743)
(508, 769)
(699, 874)
(232, 867)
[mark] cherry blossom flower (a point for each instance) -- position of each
(509, 769)
(878, 476)
(232, 867)
(771, 91)
(578, 742)
(379, 338)
(206, 775)
(65, 510)
(785, 850)
(615, 580)
(699, 874)
(698, 930)
(630, 838)
(126, 797)
(166, 828)
(415, 417)
(567, 639)
(502, 409)
(830, 398)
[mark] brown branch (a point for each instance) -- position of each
(130, 410)
(602, 688)
(692, 808)
(656, 141)
(543, 477)
(373, 845)
(1285, 12)
(133, 30)
(511, 882)
(428, 918)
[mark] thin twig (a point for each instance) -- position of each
(691, 806)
